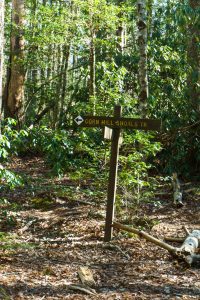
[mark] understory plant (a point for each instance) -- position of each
(137, 153)
(82, 152)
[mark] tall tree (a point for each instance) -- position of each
(142, 45)
(92, 58)
(121, 30)
(14, 95)
(1, 50)
(193, 54)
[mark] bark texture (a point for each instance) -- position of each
(92, 58)
(142, 46)
(1, 49)
(178, 194)
(15, 85)
(121, 31)
(193, 54)
(92, 65)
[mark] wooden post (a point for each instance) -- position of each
(116, 123)
(112, 178)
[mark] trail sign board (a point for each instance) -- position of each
(116, 123)
(107, 134)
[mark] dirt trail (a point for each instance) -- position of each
(55, 227)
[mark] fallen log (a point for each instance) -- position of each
(187, 252)
(189, 248)
(191, 242)
(178, 194)
(174, 239)
(145, 235)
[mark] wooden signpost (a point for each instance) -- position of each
(116, 123)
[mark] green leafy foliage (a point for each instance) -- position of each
(42, 203)
(62, 149)
(58, 61)
(135, 161)
(84, 153)
(9, 179)
(9, 242)
(7, 214)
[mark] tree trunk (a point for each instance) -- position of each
(121, 31)
(92, 86)
(178, 194)
(150, 18)
(193, 56)
(65, 63)
(15, 84)
(142, 45)
(92, 59)
(57, 67)
(1, 51)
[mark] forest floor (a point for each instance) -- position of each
(51, 227)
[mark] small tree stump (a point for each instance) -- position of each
(86, 276)
(178, 195)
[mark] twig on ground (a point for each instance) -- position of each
(115, 247)
(82, 288)
(26, 227)
(186, 230)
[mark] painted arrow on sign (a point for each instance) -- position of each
(79, 120)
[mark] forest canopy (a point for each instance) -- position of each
(60, 59)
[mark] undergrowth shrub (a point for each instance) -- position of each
(135, 160)
(62, 149)
(182, 154)
(83, 151)
(9, 179)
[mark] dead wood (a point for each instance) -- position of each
(190, 190)
(174, 239)
(187, 252)
(145, 235)
(84, 202)
(27, 226)
(186, 230)
(191, 243)
(189, 248)
(193, 260)
(178, 195)
(82, 288)
(110, 246)
(86, 276)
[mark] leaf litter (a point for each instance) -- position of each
(42, 252)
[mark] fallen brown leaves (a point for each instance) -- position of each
(66, 236)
